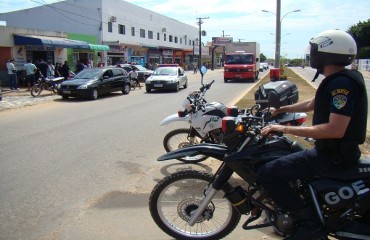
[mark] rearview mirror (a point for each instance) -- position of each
(203, 70)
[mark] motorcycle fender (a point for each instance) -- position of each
(212, 150)
(174, 118)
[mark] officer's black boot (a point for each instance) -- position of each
(308, 226)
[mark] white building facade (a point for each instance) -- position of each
(133, 33)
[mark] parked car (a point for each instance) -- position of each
(93, 82)
(142, 72)
(167, 78)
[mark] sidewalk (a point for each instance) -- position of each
(21, 98)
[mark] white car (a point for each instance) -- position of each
(167, 78)
(264, 65)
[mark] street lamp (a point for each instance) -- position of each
(278, 30)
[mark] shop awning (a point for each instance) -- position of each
(99, 47)
(46, 41)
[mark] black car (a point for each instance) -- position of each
(142, 72)
(92, 82)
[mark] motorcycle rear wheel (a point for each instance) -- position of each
(179, 138)
(36, 90)
(177, 195)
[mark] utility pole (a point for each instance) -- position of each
(278, 33)
(200, 21)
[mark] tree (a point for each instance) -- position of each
(361, 33)
(262, 57)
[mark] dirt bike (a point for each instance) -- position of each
(49, 84)
(193, 204)
(205, 120)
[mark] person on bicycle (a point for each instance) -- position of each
(134, 77)
(338, 126)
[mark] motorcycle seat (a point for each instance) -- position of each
(359, 171)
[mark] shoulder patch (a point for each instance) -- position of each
(339, 101)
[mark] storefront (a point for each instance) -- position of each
(116, 53)
(138, 55)
(50, 49)
(167, 56)
(154, 56)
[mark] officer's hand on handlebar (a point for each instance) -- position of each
(273, 128)
(273, 111)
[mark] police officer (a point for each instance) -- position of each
(338, 126)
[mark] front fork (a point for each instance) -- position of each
(219, 182)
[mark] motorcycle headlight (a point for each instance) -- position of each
(82, 86)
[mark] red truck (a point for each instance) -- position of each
(242, 61)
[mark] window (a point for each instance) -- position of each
(142, 33)
(121, 29)
(170, 38)
(110, 27)
(150, 34)
(175, 39)
(181, 41)
(158, 36)
(118, 72)
(164, 37)
(132, 31)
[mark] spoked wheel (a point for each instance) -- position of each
(36, 90)
(179, 138)
(174, 198)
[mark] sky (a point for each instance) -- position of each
(243, 20)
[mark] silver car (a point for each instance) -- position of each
(167, 78)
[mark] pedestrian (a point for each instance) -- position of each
(79, 67)
(195, 67)
(134, 77)
(337, 126)
(58, 69)
(43, 67)
(51, 70)
(65, 70)
(30, 69)
(12, 72)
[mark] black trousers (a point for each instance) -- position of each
(275, 176)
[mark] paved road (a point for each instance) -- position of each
(80, 169)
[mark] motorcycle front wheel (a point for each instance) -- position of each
(180, 138)
(175, 197)
(36, 90)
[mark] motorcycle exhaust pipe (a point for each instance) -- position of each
(239, 200)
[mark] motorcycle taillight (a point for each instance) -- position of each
(181, 113)
(232, 111)
(300, 121)
(228, 125)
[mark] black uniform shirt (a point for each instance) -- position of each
(342, 93)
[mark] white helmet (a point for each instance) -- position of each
(332, 47)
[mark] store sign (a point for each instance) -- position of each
(221, 41)
(167, 52)
(39, 48)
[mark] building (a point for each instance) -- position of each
(133, 34)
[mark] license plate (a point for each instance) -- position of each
(67, 92)
(158, 85)
(238, 76)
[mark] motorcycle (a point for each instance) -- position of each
(205, 122)
(46, 84)
(192, 204)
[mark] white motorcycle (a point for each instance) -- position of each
(205, 122)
